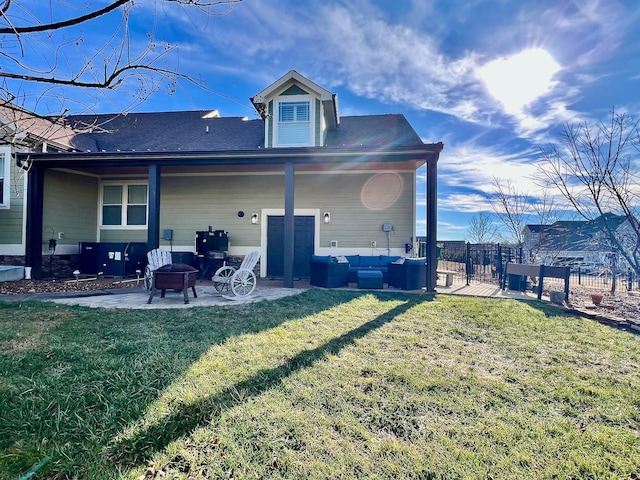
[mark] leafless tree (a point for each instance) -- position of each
(516, 209)
(544, 213)
(61, 49)
(511, 207)
(595, 171)
(482, 229)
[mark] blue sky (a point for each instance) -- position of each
(493, 80)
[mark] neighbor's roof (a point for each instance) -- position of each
(23, 125)
(580, 235)
(199, 131)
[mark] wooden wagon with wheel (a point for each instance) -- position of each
(240, 282)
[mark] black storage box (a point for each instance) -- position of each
(118, 259)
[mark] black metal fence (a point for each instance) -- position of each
(485, 263)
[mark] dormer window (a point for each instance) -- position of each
(296, 112)
(294, 123)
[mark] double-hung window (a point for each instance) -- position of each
(294, 123)
(5, 166)
(124, 205)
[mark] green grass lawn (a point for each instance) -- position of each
(326, 384)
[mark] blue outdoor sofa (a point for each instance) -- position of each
(337, 271)
(373, 262)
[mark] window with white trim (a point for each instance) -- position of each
(124, 205)
(5, 169)
(294, 123)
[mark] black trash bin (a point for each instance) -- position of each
(514, 282)
(214, 259)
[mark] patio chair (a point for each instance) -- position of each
(240, 282)
(156, 258)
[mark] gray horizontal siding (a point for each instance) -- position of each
(11, 218)
(189, 204)
(123, 235)
(70, 206)
(354, 225)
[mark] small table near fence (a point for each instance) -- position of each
(540, 271)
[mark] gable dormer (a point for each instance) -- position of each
(296, 112)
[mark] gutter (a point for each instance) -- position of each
(266, 154)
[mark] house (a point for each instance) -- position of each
(574, 243)
(297, 180)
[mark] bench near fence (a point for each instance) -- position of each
(448, 281)
(540, 271)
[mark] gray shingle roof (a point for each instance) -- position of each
(190, 131)
(580, 235)
(374, 131)
(166, 132)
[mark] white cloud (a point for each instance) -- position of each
(518, 80)
(451, 231)
(470, 164)
(469, 203)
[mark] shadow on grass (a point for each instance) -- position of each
(104, 367)
(138, 449)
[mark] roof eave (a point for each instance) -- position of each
(418, 153)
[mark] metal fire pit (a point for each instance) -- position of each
(175, 276)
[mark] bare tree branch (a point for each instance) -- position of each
(63, 24)
(111, 80)
(103, 11)
(511, 208)
(38, 51)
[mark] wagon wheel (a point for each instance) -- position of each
(243, 283)
(148, 278)
(222, 279)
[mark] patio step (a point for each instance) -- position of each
(9, 273)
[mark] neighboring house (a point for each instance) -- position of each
(22, 131)
(573, 243)
(299, 180)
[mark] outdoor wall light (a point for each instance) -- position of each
(254, 218)
(327, 217)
